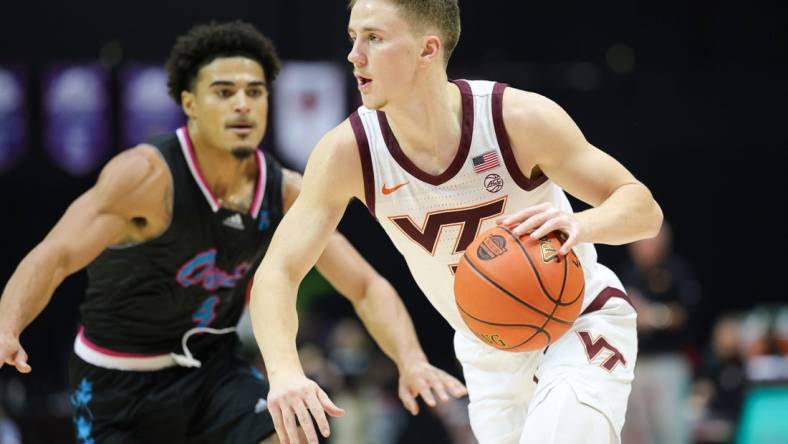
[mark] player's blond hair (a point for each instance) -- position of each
(443, 15)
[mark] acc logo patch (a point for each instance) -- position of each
(493, 183)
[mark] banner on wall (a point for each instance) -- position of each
(77, 132)
(309, 100)
(13, 116)
(146, 108)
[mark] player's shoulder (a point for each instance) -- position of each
(339, 144)
(335, 163)
(527, 107)
(136, 170)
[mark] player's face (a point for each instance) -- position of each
(230, 104)
(385, 52)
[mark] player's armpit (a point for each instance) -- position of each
(544, 136)
(332, 178)
(130, 188)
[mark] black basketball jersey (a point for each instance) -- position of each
(143, 298)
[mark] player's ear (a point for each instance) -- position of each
(187, 103)
(431, 49)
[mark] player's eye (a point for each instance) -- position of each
(224, 93)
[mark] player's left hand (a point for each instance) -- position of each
(539, 220)
(420, 378)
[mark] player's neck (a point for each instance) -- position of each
(223, 171)
(428, 121)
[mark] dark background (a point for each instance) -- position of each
(699, 118)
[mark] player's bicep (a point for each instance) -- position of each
(310, 222)
(291, 187)
(589, 174)
(101, 216)
(83, 232)
(544, 134)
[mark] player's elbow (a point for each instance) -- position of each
(654, 223)
(374, 286)
(53, 258)
(268, 277)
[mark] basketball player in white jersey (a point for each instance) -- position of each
(437, 162)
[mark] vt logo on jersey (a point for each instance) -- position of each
(469, 219)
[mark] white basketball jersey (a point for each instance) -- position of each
(432, 219)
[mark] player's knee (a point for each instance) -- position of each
(561, 418)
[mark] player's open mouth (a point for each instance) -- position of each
(363, 82)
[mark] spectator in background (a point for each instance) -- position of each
(9, 432)
(663, 288)
(719, 391)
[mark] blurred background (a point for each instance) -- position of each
(688, 95)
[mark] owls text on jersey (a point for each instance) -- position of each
(431, 219)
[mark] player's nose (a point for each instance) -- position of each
(355, 56)
(242, 104)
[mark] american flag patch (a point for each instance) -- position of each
(486, 161)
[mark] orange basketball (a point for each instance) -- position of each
(518, 294)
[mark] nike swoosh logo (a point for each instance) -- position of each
(388, 191)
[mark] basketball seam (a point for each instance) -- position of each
(537, 330)
(512, 296)
(497, 324)
(541, 330)
(533, 267)
(563, 281)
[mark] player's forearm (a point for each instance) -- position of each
(385, 317)
(627, 215)
(275, 321)
(29, 290)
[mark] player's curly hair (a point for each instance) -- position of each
(207, 42)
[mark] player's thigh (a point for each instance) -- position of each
(560, 418)
(116, 407)
(233, 408)
(500, 385)
(596, 359)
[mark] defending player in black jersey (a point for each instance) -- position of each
(170, 234)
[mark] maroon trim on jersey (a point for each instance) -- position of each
(462, 150)
(505, 145)
(366, 161)
(469, 219)
(605, 295)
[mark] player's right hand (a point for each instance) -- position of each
(296, 397)
(12, 353)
